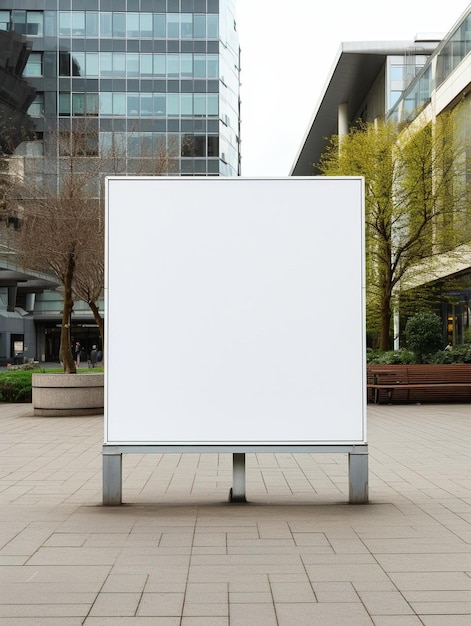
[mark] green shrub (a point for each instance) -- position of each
(15, 385)
(458, 354)
(392, 357)
(423, 334)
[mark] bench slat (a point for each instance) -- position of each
(419, 383)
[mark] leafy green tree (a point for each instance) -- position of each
(424, 334)
(415, 202)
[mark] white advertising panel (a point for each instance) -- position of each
(234, 311)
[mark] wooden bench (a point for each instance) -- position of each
(419, 383)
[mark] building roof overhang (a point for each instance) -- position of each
(353, 73)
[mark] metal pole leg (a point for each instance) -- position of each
(112, 479)
(237, 493)
(358, 478)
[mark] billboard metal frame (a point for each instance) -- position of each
(355, 446)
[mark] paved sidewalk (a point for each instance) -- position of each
(177, 554)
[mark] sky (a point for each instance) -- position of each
(288, 49)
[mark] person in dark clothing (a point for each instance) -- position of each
(77, 353)
(93, 356)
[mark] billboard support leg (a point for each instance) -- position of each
(112, 479)
(358, 478)
(237, 493)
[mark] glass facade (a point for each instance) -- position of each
(449, 54)
(401, 71)
(147, 73)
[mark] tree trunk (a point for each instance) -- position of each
(98, 320)
(385, 323)
(67, 359)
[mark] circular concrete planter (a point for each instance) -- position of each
(67, 395)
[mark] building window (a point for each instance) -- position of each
(173, 25)
(36, 108)
(5, 20)
(34, 66)
(193, 146)
(28, 22)
(397, 72)
(160, 25)
(186, 25)
(78, 144)
(213, 145)
(64, 103)
(145, 25)
(85, 104)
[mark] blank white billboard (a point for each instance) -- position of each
(235, 311)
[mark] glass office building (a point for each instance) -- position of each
(145, 74)
(134, 79)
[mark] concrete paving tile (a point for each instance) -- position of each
(248, 560)
(209, 550)
(204, 593)
(374, 585)
(42, 621)
(253, 614)
(130, 621)
(45, 589)
(206, 539)
(153, 550)
(288, 577)
(442, 608)
(443, 562)
(160, 605)
(205, 621)
(67, 609)
(348, 546)
(122, 604)
(332, 587)
(292, 592)
(396, 620)
(445, 620)
(102, 540)
(240, 572)
(385, 603)
(431, 581)
(212, 609)
(54, 574)
(246, 542)
(250, 586)
(330, 558)
(128, 583)
(154, 586)
(353, 614)
(13, 560)
(274, 530)
(337, 596)
(247, 597)
(437, 596)
(74, 540)
(311, 539)
(346, 572)
(74, 556)
(176, 540)
(30, 594)
(156, 574)
(417, 545)
(129, 558)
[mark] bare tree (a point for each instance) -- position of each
(90, 275)
(60, 214)
(153, 156)
(62, 209)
